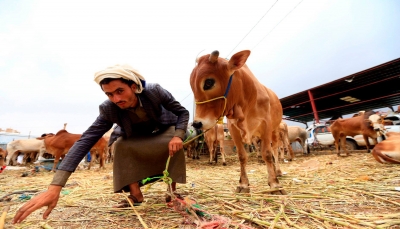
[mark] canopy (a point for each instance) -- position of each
(373, 88)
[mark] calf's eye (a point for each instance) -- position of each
(209, 83)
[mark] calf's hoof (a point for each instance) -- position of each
(242, 190)
(278, 173)
(277, 189)
(197, 157)
(224, 163)
(279, 192)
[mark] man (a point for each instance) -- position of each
(151, 126)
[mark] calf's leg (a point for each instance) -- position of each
(275, 151)
(221, 146)
(337, 138)
(267, 155)
(343, 145)
(242, 155)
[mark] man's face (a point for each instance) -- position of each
(121, 94)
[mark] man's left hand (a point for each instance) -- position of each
(175, 145)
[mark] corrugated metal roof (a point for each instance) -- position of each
(376, 87)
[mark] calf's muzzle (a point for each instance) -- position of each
(197, 124)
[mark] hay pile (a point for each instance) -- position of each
(324, 191)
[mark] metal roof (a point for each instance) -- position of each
(375, 88)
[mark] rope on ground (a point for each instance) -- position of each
(3, 216)
(137, 213)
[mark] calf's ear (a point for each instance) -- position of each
(368, 122)
(238, 60)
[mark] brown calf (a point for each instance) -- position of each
(214, 137)
(99, 150)
(251, 108)
(58, 145)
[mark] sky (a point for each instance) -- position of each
(50, 50)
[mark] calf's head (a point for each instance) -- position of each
(209, 81)
(376, 122)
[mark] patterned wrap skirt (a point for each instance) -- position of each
(140, 157)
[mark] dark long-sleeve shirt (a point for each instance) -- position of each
(158, 104)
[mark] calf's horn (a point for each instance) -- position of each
(214, 56)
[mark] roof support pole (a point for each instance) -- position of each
(314, 108)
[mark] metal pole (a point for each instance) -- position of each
(313, 106)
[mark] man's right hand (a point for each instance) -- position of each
(48, 198)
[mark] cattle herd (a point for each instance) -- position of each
(56, 146)
(227, 88)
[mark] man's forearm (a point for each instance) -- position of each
(61, 177)
(180, 133)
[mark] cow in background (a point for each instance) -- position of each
(59, 144)
(99, 151)
(110, 145)
(3, 156)
(14, 148)
(31, 157)
(110, 153)
(215, 137)
(334, 118)
(284, 144)
(368, 124)
(192, 141)
(109, 157)
(251, 108)
(298, 134)
(388, 151)
(256, 144)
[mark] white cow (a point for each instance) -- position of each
(24, 146)
(298, 134)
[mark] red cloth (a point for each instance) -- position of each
(2, 168)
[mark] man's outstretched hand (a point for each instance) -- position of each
(48, 198)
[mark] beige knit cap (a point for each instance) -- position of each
(121, 71)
